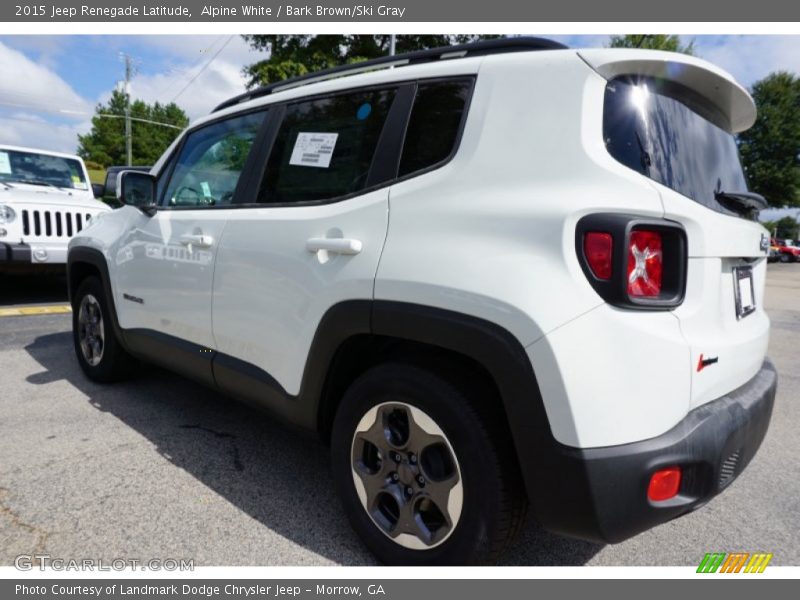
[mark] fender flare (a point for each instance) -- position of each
(96, 259)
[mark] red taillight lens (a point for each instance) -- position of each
(597, 246)
(664, 484)
(645, 264)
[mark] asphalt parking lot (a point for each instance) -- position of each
(159, 467)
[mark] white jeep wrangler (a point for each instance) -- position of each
(45, 199)
(498, 276)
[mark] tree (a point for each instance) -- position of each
(770, 149)
(105, 143)
(294, 55)
(671, 43)
(785, 228)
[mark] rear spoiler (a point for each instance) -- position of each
(713, 84)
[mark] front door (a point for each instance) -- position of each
(166, 261)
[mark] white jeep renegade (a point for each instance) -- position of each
(45, 199)
(496, 276)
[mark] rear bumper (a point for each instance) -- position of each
(600, 494)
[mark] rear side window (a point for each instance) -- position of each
(435, 124)
(325, 146)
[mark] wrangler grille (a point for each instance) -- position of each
(53, 223)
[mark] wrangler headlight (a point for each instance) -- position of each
(7, 214)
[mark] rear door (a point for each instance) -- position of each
(309, 236)
(686, 148)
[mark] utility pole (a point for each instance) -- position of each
(127, 90)
(392, 44)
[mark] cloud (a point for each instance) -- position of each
(751, 57)
(26, 129)
(196, 72)
(27, 91)
(41, 109)
(24, 82)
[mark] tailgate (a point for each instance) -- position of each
(732, 344)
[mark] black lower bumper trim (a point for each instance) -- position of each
(600, 494)
(15, 253)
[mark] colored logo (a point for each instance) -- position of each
(735, 562)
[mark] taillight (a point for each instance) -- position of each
(598, 247)
(645, 264)
(633, 262)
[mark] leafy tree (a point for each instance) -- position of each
(769, 226)
(771, 148)
(105, 143)
(786, 227)
(671, 43)
(294, 55)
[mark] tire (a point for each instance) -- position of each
(492, 504)
(97, 348)
(785, 258)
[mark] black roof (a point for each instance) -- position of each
(481, 48)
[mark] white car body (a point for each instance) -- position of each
(490, 235)
(46, 217)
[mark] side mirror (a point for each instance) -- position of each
(138, 189)
(99, 190)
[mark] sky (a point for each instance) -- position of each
(49, 85)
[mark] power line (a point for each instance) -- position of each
(203, 68)
(139, 120)
(78, 113)
(186, 71)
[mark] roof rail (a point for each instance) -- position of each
(481, 48)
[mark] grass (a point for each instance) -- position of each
(97, 175)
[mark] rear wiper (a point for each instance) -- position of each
(743, 202)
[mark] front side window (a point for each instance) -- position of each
(435, 123)
(648, 129)
(41, 169)
(325, 146)
(210, 162)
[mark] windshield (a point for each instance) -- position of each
(669, 142)
(41, 169)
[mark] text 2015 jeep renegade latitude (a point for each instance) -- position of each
(497, 276)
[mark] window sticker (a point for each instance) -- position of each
(5, 163)
(313, 149)
(364, 111)
(206, 189)
(78, 184)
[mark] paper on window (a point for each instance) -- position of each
(78, 184)
(5, 163)
(313, 149)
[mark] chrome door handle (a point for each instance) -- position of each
(201, 241)
(335, 245)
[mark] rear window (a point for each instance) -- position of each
(646, 128)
